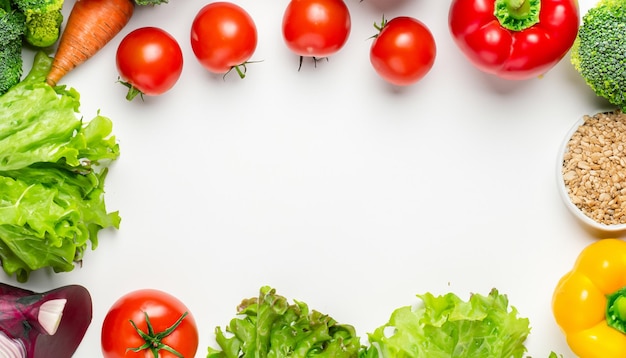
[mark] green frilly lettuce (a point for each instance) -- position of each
(448, 327)
(441, 327)
(52, 171)
(270, 327)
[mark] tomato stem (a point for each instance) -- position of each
(240, 72)
(154, 342)
(240, 69)
(380, 26)
(315, 61)
(517, 15)
(616, 310)
(132, 90)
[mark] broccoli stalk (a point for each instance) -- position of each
(11, 31)
(43, 21)
(599, 52)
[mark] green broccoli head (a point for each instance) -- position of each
(43, 30)
(11, 31)
(10, 65)
(599, 52)
(38, 6)
(11, 25)
(43, 20)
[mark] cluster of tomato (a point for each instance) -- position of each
(224, 38)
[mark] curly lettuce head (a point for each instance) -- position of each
(52, 171)
(448, 327)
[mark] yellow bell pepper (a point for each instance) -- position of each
(589, 302)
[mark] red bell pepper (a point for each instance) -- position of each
(514, 39)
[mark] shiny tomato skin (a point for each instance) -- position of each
(316, 28)
(163, 309)
(149, 59)
(223, 35)
(404, 51)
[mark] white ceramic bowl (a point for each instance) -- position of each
(611, 229)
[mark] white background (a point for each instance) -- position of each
(330, 185)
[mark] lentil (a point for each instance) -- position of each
(594, 167)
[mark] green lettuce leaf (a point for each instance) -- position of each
(52, 171)
(446, 326)
(269, 326)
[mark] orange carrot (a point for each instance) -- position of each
(90, 26)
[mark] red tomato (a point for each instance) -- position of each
(404, 51)
(119, 338)
(149, 61)
(316, 28)
(223, 37)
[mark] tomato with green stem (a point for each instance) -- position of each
(149, 323)
(149, 61)
(403, 51)
(316, 28)
(223, 37)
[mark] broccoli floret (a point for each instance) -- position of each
(43, 21)
(11, 23)
(43, 30)
(10, 65)
(11, 31)
(599, 52)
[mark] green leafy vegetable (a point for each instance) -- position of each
(598, 52)
(271, 327)
(11, 34)
(52, 171)
(43, 21)
(446, 326)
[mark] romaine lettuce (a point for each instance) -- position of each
(448, 327)
(52, 171)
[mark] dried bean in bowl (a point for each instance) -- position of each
(593, 171)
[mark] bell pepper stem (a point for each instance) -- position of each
(518, 8)
(517, 15)
(620, 305)
(616, 310)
